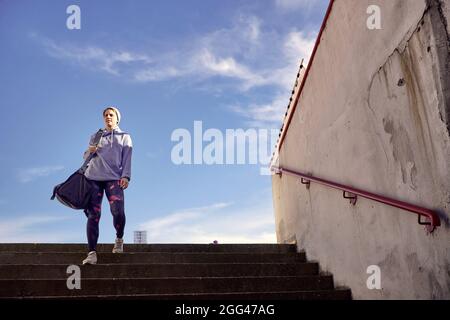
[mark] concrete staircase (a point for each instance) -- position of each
(165, 272)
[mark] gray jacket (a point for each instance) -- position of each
(113, 159)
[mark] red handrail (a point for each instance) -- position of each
(433, 218)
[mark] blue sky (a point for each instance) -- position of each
(164, 64)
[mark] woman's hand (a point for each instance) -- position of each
(123, 183)
(92, 149)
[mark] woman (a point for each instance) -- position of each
(109, 171)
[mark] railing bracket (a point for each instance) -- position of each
(423, 223)
(306, 182)
(428, 226)
(276, 171)
(352, 197)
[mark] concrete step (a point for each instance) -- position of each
(131, 286)
(163, 247)
(165, 272)
(337, 294)
(151, 270)
(148, 257)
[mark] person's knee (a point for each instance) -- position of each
(117, 208)
(93, 216)
(94, 211)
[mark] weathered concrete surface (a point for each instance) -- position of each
(374, 114)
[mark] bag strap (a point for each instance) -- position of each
(96, 142)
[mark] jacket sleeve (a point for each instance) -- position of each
(127, 150)
(86, 153)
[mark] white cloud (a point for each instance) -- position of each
(298, 45)
(244, 36)
(217, 53)
(94, 57)
(245, 54)
(156, 226)
(270, 114)
(30, 174)
(219, 222)
(212, 55)
(254, 28)
(263, 115)
(158, 74)
(21, 229)
(227, 67)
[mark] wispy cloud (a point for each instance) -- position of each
(243, 52)
(114, 62)
(270, 114)
(246, 55)
(221, 53)
(228, 67)
(221, 221)
(23, 229)
(263, 115)
(29, 174)
(201, 65)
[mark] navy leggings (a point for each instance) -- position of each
(115, 196)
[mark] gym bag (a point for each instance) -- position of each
(77, 190)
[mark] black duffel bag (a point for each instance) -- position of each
(77, 190)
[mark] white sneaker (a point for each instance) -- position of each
(118, 246)
(91, 258)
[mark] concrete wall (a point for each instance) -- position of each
(374, 114)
